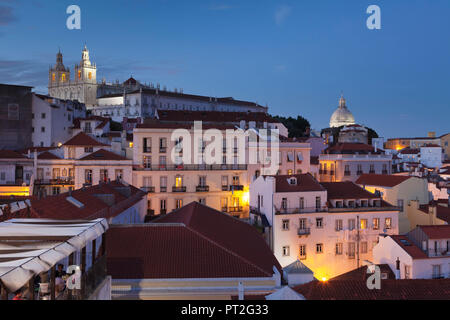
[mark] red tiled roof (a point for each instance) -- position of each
(213, 116)
(103, 121)
(305, 182)
(82, 139)
(382, 180)
(437, 232)
(350, 147)
(48, 156)
(154, 124)
(410, 151)
(414, 251)
(37, 149)
(442, 212)
(411, 289)
(347, 190)
(192, 242)
(9, 154)
(57, 207)
(361, 273)
(104, 155)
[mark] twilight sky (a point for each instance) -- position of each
(295, 56)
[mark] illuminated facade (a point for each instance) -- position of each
(330, 227)
(342, 116)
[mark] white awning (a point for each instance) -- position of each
(32, 246)
(299, 156)
(290, 156)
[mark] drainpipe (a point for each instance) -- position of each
(357, 241)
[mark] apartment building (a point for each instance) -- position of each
(173, 183)
(81, 161)
(423, 253)
(348, 161)
(330, 227)
(16, 173)
(400, 191)
(52, 119)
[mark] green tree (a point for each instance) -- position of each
(297, 128)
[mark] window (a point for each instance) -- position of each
(302, 203)
(42, 129)
(302, 224)
(302, 252)
(319, 248)
(339, 248)
(319, 223)
(88, 176)
(437, 271)
(56, 190)
(147, 161)
(224, 204)
(178, 203)
(359, 171)
(372, 168)
(87, 127)
(202, 181)
(90, 75)
(224, 183)
(376, 223)
(118, 174)
(407, 272)
(202, 201)
(363, 247)
(400, 204)
(236, 181)
(318, 203)
(351, 250)
(163, 206)
(79, 74)
(162, 145)
(339, 226)
(289, 172)
(88, 149)
(285, 225)
(388, 223)
(284, 203)
(162, 161)
(286, 252)
(104, 175)
(178, 181)
(290, 157)
(147, 145)
(55, 173)
(351, 224)
(3, 176)
(363, 224)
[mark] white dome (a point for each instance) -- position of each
(342, 116)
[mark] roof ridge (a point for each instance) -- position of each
(228, 250)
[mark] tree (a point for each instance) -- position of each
(297, 127)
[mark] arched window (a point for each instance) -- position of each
(90, 75)
(79, 74)
(63, 77)
(53, 77)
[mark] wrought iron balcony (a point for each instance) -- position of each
(235, 209)
(178, 189)
(148, 189)
(236, 187)
(162, 149)
(202, 189)
(190, 167)
(303, 231)
(347, 173)
(57, 181)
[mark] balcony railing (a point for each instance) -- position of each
(202, 189)
(178, 189)
(147, 150)
(359, 173)
(372, 171)
(224, 188)
(438, 253)
(190, 167)
(162, 149)
(303, 231)
(299, 210)
(331, 173)
(235, 209)
(347, 173)
(58, 181)
(236, 187)
(148, 189)
(162, 189)
(363, 209)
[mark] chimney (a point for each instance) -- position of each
(397, 269)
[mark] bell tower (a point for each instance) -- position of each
(58, 75)
(85, 72)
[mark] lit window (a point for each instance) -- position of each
(53, 77)
(90, 75)
(79, 74)
(363, 224)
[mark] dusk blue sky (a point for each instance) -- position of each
(295, 56)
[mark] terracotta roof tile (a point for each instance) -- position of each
(192, 242)
(382, 180)
(103, 155)
(304, 182)
(412, 289)
(414, 251)
(9, 154)
(82, 139)
(347, 190)
(437, 232)
(48, 156)
(361, 273)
